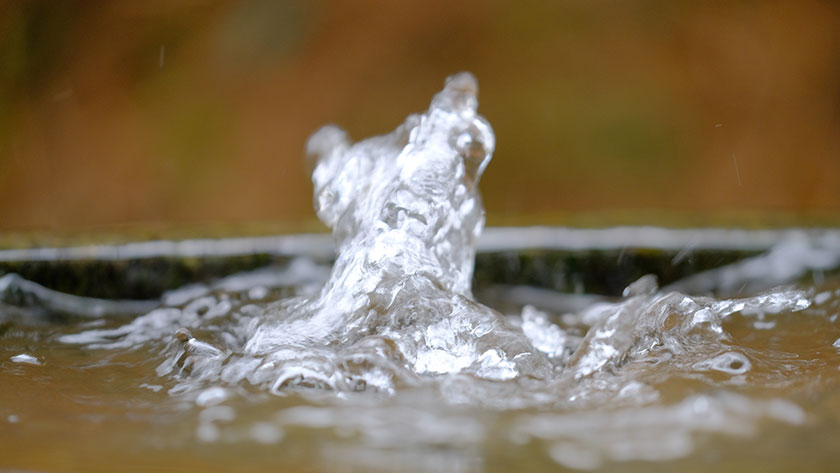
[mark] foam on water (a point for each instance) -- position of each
(391, 346)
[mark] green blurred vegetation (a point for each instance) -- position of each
(195, 112)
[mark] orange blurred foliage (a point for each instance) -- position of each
(198, 110)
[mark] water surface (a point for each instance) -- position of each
(385, 360)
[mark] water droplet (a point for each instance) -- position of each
(645, 285)
(27, 359)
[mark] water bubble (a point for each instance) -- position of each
(730, 362)
(183, 335)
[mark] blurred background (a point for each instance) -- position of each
(195, 112)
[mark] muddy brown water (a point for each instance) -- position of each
(77, 408)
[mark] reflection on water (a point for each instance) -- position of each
(387, 362)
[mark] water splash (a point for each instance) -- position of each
(405, 213)
(391, 336)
